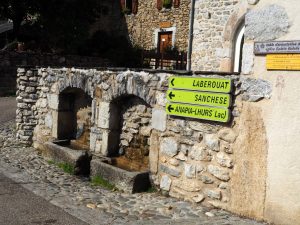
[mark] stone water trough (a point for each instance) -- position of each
(86, 164)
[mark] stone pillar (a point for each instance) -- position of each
(27, 96)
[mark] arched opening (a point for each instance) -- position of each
(238, 44)
(74, 117)
(129, 136)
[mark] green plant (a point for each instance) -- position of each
(167, 4)
(100, 181)
(66, 167)
(151, 190)
(51, 162)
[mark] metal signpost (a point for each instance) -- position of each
(198, 112)
(199, 98)
(201, 84)
(207, 98)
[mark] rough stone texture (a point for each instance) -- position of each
(224, 160)
(250, 172)
(169, 147)
(212, 142)
(248, 58)
(255, 90)
(218, 172)
(158, 120)
(165, 183)
(210, 20)
(253, 2)
(266, 24)
(227, 134)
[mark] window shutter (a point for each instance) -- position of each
(159, 4)
(122, 4)
(135, 5)
(176, 3)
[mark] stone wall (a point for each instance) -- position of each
(191, 159)
(141, 27)
(9, 61)
(210, 21)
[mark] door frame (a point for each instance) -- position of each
(162, 30)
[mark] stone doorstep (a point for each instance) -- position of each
(131, 182)
(80, 159)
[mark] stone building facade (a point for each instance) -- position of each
(217, 26)
(152, 19)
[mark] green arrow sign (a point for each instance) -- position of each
(198, 112)
(201, 84)
(199, 98)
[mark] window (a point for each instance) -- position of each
(129, 6)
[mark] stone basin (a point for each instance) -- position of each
(128, 181)
(66, 151)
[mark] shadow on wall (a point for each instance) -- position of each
(110, 37)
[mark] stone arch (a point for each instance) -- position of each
(128, 132)
(75, 80)
(233, 25)
(73, 120)
(131, 85)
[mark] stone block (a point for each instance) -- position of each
(248, 58)
(171, 171)
(212, 142)
(218, 172)
(190, 171)
(165, 183)
(103, 115)
(169, 146)
(53, 101)
(268, 23)
(159, 119)
(224, 160)
(154, 152)
(199, 153)
(214, 194)
(49, 120)
(227, 135)
(198, 198)
(203, 127)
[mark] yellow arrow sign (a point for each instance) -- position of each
(201, 84)
(199, 112)
(199, 98)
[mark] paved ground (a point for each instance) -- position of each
(19, 206)
(95, 205)
(8, 106)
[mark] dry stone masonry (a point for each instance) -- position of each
(187, 158)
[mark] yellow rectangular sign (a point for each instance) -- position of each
(199, 98)
(283, 62)
(201, 84)
(198, 112)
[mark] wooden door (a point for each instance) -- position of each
(165, 40)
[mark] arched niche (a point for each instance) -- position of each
(128, 132)
(74, 116)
